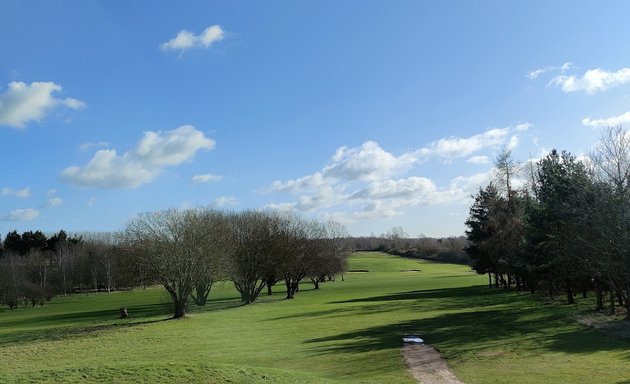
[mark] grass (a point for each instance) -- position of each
(346, 332)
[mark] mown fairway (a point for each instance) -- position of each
(347, 332)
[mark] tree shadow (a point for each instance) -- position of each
(477, 330)
(59, 326)
(435, 299)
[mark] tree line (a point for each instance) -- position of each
(564, 228)
(397, 242)
(185, 251)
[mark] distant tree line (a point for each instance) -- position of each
(34, 267)
(565, 230)
(397, 242)
(185, 251)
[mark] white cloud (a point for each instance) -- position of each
(224, 201)
(305, 183)
(205, 178)
(512, 143)
(22, 103)
(538, 72)
(51, 192)
(53, 202)
(154, 152)
(592, 81)
(368, 162)
(366, 180)
(21, 193)
(454, 147)
(523, 127)
(403, 188)
(612, 121)
(20, 215)
(481, 159)
(186, 40)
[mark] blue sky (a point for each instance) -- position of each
(374, 113)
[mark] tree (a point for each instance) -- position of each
(253, 238)
(481, 231)
(170, 246)
(611, 160)
(301, 246)
(563, 185)
(214, 268)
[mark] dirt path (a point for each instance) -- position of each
(427, 366)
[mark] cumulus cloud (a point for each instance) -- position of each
(154, 152)
(187, 40)
(205, 178)
(20, 215)
(454, 147)
(367, 179)
(592, 81)
(22, 103)
(612, 121)
(21, 193)
(367, 162)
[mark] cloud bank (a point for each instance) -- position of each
(367, 179)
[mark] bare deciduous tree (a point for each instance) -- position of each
(171, 246)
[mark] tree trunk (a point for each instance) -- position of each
(489, 280)
(611, 297)
(290, 291)
(599, 306)
(269, 283)
(180, 308)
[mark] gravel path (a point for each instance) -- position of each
(427, 366)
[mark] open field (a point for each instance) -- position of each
(347, 332)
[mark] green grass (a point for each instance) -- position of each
(346, 332)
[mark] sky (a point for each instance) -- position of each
(375, 114)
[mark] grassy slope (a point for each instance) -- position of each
(347, 332)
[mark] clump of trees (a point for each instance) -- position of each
(34, 267)
(566, 230)
(186, 251)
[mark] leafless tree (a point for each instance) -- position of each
(171, 246)
(611, 161)
(253, 240)
(215, 223)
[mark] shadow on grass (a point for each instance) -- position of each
(479, 324)
(433, 299)
(75, 324)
